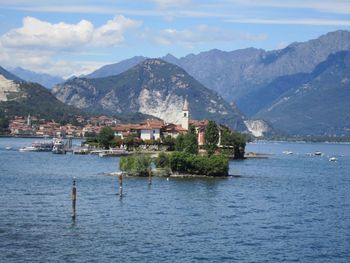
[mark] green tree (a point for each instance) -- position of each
(169, 142)
(4, 124)
(105, 137)
(233, 143)
(190, 141)
(211, 137)
(137, 165)
(179, 143)
(239, 145)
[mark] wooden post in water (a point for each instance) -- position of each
(120, 185)
(149, 176)
(74, 198)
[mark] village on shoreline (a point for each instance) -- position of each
(196, 147)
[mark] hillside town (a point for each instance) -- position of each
(150, 129)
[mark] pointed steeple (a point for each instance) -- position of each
(185, 106)
(185, 115)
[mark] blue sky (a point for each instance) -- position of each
(77, 36)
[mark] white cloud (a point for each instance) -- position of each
(41, 35)
(45, 64)
(310, 22)
(37, 34)
(199, 34)
(334, 6)
(111, 33)
(37, 44)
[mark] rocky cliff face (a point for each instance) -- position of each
(8, 89)
(259, 128)
(153, 87)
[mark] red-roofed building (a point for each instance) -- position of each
(148, 130)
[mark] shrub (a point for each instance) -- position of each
(169, 142)
(179, 143)
(162, 161)
(137, 165)
(216, 165)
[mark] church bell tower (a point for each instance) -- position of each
(185, 118)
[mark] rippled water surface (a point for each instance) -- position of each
(284, 208)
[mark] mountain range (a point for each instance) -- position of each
(152, 87)
(18, 97)
(43, 79)
(301, 89)
(237, 73)
(317, 103)
(255, 79)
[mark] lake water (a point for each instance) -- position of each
(287, 208)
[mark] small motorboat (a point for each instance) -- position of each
(29, 149)
(332, 159)
(318, 153)
(288, 152)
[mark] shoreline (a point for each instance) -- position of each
(172, 175)
(262, 141)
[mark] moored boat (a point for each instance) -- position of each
(38, 147)
(58, 146)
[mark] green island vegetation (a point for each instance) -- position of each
(185, 157)
(136, 165)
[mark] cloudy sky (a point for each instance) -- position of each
(77, 36)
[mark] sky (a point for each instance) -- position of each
(74, 37)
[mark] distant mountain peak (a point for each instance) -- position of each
(153, 87)
(43, 79)
(8, 75)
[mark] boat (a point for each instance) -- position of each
(43, 146)
(38, 147)
(332, 159)
(318, 153)
(8, 148)
(29, 149)
(288, 152)
(58, 146)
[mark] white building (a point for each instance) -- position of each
(150, 133)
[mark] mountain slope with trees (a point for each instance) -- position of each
(314, 104)
(152, 87)
(20, 98)
(237, 75)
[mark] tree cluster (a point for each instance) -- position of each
(136, 165)
(233, 144)
(188, 142)
(216, 165)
